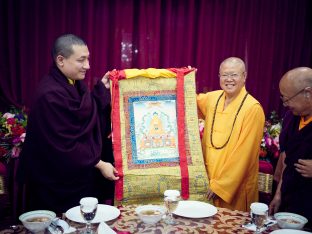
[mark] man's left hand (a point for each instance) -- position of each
(105, 80)
(211, 194)
(107, 170)
(304, 167)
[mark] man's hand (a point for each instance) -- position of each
(211, 194)
(105, 80)
(304, 167)
(275, 204)
(107, 170)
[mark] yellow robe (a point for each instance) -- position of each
(233, 170)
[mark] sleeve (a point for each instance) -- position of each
(102, 98)
(242, 161)
(101, 95)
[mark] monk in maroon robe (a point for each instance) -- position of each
(67, 128)
(294, 192)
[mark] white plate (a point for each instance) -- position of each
(104, 213)
(195, 209)
(289, 231)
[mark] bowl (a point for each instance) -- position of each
(150, 214)
(37, 220)
(290, 220)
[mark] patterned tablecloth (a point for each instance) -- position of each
(225, 221)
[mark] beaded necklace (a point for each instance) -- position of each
(213, 120)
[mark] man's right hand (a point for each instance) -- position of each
(275, 204)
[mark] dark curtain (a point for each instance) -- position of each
(272, 36)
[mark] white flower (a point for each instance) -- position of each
(8, 115)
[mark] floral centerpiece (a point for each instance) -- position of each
(269, 149)
(201, 125)
(12, 133)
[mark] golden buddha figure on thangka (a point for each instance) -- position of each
(154, 132)
(157, 136)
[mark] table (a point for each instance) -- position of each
(225, 221)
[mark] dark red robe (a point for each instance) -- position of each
(296, 189)
(67, 128)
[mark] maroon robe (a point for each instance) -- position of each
(66, 129)
(296, 189)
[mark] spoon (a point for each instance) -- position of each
(57, 228)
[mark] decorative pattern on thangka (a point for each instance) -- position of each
(147, 149)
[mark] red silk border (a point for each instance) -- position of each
(181, 130)
(115, 76)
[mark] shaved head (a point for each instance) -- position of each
(297, 78)
(234, 61)
(296, 91)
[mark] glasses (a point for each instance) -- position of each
(286, 101)
(231, 76)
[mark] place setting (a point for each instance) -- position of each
(289, 223)
(174, 206)
(260, 220)
(84, 218)
(90, 213)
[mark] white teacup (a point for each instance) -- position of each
(259, 208)
(259, 214)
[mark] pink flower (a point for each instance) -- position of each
(16, 151)
(12, 133)
(23, 137)
(270, 139)
(201, 125)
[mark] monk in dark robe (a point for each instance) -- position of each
(294, 192)
(66, 133)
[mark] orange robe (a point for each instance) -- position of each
(232, 170)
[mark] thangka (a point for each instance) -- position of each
(155, 135)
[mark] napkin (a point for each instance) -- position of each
(105, 229)
(252, 227)
(63, 224)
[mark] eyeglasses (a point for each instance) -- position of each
(232, 76)
(288, 99)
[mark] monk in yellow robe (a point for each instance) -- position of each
(234, 122)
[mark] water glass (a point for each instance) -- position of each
(172, 198)
(88, 208)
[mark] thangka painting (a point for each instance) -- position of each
(155, 135)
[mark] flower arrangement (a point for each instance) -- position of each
(12, 133)
(201, 125)
(269, 149)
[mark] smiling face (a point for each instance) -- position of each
(75, 66)
(232, 76)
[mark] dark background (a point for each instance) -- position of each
(272, 36)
